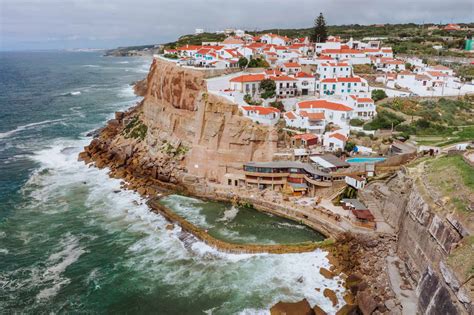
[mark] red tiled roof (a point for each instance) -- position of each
(290, 115)
(365, 100)
(338, 136)
(312, 116)
(325, 57)
(436, 73)
(283, 78)
(189, 47)
(305, 136)
(292, 65)
(248, 78)
(363, 215)
(334, 80)
(323, 104)
(303, 74)
(262, 110)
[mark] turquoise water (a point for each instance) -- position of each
(364, 160)
(71, 241)
(240, 225)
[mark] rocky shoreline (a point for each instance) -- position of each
(358, 259)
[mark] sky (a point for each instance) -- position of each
(66, 24)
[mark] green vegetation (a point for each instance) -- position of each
(437, 122)
(461, 258)
(169, 149)
(195, 39)
(349, 146)
(243, 62)
(171, 56)
(267, 88)
(378, 95)
(384, 120)
(466, 72)
(135, 129)
(320, 32)
(258, 63)
(356, 122)
(249, 100)
(278, 105)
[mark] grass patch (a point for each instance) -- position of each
(135, 129)
(461, 259)
(454, 178)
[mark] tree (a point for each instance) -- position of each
(267, 88)
(378, 95)
(243, 62)
(320, 33)
(349, 147)
(258, 63)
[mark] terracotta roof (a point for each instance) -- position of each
(303, 74)
(261, 110)
(323, 104)
(436, 73)
(290, 115)
(422, 77)
(233, 40)
(440, 67)
(283, 78)
(305, 136)
(189, 47)
(325, 57)
(248, 78)
(273, 72)
(292, 65)
(334, 80)
(312, 116)
(365, 100)
(342, 51)
(406, 72)
(338, 136)
(363, 215)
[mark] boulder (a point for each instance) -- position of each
(326, 273)
(288, 308)
(331, 295)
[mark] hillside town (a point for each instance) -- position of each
(311, 90)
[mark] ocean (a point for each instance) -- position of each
(72, 241)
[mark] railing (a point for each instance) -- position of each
(258, 174)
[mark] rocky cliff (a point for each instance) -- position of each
(180, 133)
(427, 239)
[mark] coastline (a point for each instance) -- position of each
(347, 252)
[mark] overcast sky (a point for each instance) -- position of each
(46, 24)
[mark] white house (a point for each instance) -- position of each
(336, 113)
(275, 39)
(247, 83)
(306, 84)
(355, 181)
(363, 107)
(262, 115)
(291, 67)
(313, 123)
(286, 86)
(334, 141)
(334, 70)
(342, 86)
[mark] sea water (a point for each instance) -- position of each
(72, 241)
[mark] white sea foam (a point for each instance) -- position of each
(159, 255)
(229, 214)
(57, 264)
(28, 126)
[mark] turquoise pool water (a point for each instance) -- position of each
(365, 160)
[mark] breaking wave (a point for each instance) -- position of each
(28, 126)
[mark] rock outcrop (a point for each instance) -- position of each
(427, 236)
(180, 133)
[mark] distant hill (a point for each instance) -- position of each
(404, 38)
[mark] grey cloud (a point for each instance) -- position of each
(100, 23)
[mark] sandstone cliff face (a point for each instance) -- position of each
(426, 238)
(178, 110)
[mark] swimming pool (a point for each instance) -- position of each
(365, 160)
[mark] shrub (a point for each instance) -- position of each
(243, 62)
(384, 120)
(258, 63)
(356, 122)
(378, 95)
(278, 105)
(171, 56)
(267, 88)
